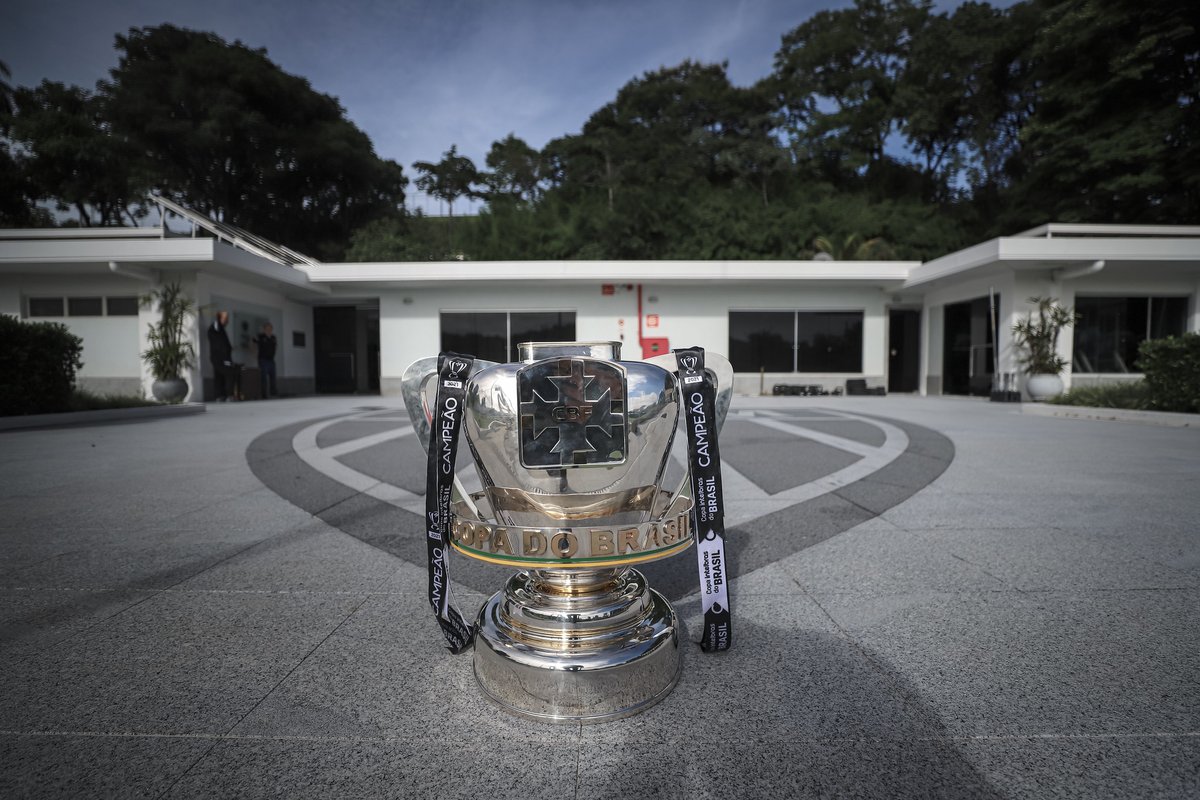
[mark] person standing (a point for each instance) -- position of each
(266, 343)
(220, 354)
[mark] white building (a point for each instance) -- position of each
(908, 326)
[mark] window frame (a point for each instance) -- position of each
(1150, 300)
(108, 305)
(62, 306)
(795, 345)
(510, 344)
(85, 298)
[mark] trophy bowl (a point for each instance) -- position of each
(571, 446)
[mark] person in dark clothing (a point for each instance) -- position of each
(265, 343)
(220, 354)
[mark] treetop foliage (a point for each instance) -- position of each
(886, 122)
(215, 126)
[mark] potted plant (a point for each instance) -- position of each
(1037, 337)
(170, 353)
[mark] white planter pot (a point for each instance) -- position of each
(1043, 387)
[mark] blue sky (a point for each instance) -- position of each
(420, 76)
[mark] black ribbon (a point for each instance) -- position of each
(699, 396)
(444, 429)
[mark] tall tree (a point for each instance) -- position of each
(71, 156)
(224, 130)
(450, 179)
(965, 93)
(836, 79)
(515, 170)
(1115, 136)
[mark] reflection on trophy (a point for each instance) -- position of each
(572, 448)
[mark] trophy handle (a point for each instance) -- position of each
(720, 369)
(419, 390)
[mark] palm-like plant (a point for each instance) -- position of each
(852, 248)
(170, 352)
(1037, 336)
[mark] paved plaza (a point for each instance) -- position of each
(932, 597)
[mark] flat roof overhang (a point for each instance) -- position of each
(1172, 256)
(885, 275)
(174, 254)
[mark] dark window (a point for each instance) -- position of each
(1110, 329)
(483, 335)
(494, 335)
(762, 340)
(122, 306)
(85, 306)
(1168, 317)
(539, 326)
(829, 341)
(796, 341)
(297, 338)
(46, 307)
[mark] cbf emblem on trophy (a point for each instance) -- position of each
(573, 447)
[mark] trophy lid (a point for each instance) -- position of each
(533, 351)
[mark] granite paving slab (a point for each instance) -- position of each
(435, 768)
(1007, 609)
(179, 663)
(1017, 664)
(34, 619)
(1082, 768)
(64, 765)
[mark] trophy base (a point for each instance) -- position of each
(577, 646)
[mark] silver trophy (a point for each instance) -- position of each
(572, 448)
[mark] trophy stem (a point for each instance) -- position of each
(577, 645)
(575, 581)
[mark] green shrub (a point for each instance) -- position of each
(38, 361)
(1172, 369)
(1127, 394)
(83, 400)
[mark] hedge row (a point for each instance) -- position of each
(38, 361)
(1172, 369)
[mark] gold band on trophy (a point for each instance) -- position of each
(582, 546)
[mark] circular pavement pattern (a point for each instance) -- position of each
(793, 478)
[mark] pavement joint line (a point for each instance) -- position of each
(263, 699)
(996, 578)
(207, 504)
(887, 676)
(153, 593)
(578, 758)
(48, 646)
(977, 737)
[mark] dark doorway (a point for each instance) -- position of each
(904, 349)
(370, 327)
(968, 356)
(335, 332)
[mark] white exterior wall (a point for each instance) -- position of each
(297, 318)
(111, 346)
(688, 315)
(10, 295)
